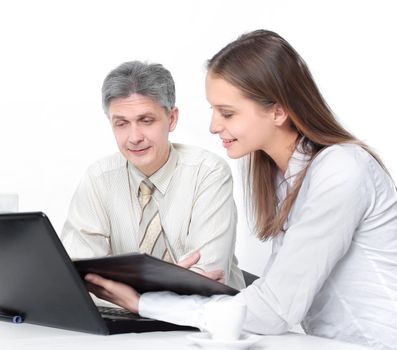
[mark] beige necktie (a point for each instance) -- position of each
(152, 238)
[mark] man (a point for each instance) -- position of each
(168, 200)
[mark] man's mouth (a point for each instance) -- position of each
(140, 150)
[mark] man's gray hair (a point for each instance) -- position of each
(136, 77)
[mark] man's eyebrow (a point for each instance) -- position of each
(115, 116)
(139, 116)
(145, 115)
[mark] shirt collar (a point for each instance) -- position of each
(160, 179)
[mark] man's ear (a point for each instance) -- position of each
(280, 115)
(173, 118)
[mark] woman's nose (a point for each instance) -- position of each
(215, 126)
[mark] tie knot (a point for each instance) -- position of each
(145, 189)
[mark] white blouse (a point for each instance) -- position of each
(335, 268)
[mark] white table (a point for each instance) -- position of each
(27, 337)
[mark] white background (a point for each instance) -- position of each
(55, 55)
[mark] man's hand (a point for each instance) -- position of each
(115, 292)
(188, 262)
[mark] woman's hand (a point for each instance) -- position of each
(115, 292)
(187, 263)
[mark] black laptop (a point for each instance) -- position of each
(38, 280)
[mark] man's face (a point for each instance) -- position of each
(141, 127)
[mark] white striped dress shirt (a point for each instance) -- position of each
(194, 192)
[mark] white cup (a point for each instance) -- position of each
(8, 202)
(224, 319)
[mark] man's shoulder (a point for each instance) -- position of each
(108, 164)
(190, 155)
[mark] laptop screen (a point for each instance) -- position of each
(39, 281)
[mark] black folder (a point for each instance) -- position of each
(148, 274)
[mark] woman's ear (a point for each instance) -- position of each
(280, 115)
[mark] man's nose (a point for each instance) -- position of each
(135, 135)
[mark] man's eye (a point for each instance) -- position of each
(147, 120)
(120, 123)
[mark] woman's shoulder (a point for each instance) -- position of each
(344, 150)
(345, 154)
(346, 159)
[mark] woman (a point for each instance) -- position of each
(321, 195)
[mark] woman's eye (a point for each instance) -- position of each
(226, 114)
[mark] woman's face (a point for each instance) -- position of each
(243, 125)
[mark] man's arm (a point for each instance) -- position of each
(191, 260)
(212, 230)
(86, 230)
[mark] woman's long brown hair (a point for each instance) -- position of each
(268, 70)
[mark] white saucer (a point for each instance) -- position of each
(205, 341)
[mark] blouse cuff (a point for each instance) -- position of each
(178, 309)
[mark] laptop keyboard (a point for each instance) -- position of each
(112, 312)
